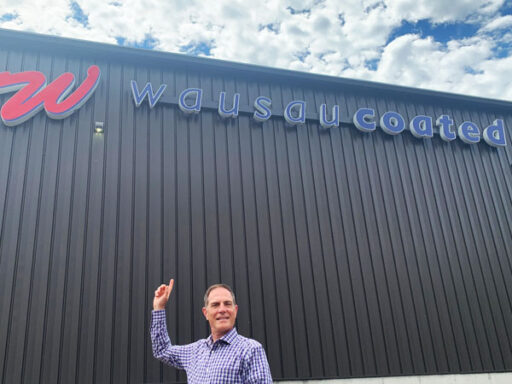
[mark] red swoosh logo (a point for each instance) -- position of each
(32, 95)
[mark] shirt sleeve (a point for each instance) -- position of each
(257, 370)
(179, 356)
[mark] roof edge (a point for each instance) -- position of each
(7, 37)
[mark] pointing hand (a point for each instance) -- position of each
(162, 294)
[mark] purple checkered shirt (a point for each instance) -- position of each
(232, 359)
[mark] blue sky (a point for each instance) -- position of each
(460, 46)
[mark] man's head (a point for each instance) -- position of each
(220, 309)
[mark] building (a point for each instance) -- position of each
(379, 246)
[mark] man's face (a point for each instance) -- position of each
(220, 312)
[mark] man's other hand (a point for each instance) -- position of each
(162, 294)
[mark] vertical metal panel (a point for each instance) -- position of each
(11, 224)
(352, 254)
(42, 255)
(286, 221)
(106, 316)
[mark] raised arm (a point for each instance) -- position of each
(176, 355)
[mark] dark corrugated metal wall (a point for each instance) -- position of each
(351, 254)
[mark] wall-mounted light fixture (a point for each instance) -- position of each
(98, 127)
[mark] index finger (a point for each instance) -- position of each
(169, 288)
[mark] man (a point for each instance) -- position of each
(225, 356)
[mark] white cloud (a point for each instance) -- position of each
(343, 38)
(498, 23)
(442, 10)
(465, 67)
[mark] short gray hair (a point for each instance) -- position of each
(212, 287)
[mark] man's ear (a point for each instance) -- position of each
(204, 313)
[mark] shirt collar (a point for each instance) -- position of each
(227, 338)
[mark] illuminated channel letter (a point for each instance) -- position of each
(494, 134)
(262, 105)
(362, 119)
(138, 97)
(444, 122)
(469, 132)
(186, 95)
(421, 127)
(300, 107)
(335, 122)
(392, 123)
(233, 112)
(32, 94)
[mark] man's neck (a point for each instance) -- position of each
(217, 336)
